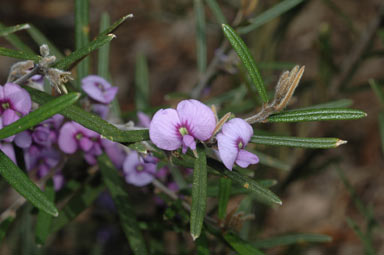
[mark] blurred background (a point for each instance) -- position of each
(341, 45)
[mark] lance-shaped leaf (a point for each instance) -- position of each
(201, 44)
(16, 42)
(291, 239)
(216, 10)
(247, 60)
(141, 83)
(202, 244)
(4, 225)
(4, 31)
(18, 54)
(199, 193)
(302, 142)
(40, 39)
(103, 54)
(42, 113)
(269, 14)
(241, 246)
(379, 92)
(22, 184)
(93, 122)
(225, 185)
(82, 37)
(115, 185)
(116, 24)
(44, 220)
(316, 115)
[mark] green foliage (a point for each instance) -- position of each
(43, 224)
(18, 54)
(141, 83)
(302, 142)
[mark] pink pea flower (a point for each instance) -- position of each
(232, 139)
(99, 89)
(171, 129)
(73, 135)
(14, 102)
(137, 171)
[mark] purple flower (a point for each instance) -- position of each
(14, 102)
(232, 140)
(73, 135)
(170, 129)
(115, 152)
(144, 120)
(100, 109)
(99, 89)
(136, 171)
(8, 150)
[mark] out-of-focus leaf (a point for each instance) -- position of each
(42, 113)
(40, 39)
(93, 122)
(103, 54)
(4, 225)
(201, 44)
(82, 36)
(115, 185)
(317, 115)
(367, 243)
(199, 193)
(379, 92)
(141, 83)
(241, 246)
(247, 60)
(202, 244)
(302, 142)
(4, 31)
(80, 201)
(18, 54)
(43, 224)
(342, 103)
(22, 184)
(269, 15)
(16, 42)
(216, 10)
(225, 185)
(271, 161)
(291, 239)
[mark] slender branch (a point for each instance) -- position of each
(25, 77)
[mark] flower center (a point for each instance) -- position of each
(183, 131)
(98, 85)
(4, 106)
(139, 168)
(240, 145)
(79, 136)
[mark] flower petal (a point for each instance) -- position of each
(109, 94)
(246, 158)
(18, 98)
(144, 120)
(198, 117)
(238, 128)
(142, 178)
(8, 150)
(131, 162)
(95, 87)
(23, 139)
(85, 143)
(188, 142)
(163, 130)
(9, 116)
(67, 141)
(228, 150)
(115, 152)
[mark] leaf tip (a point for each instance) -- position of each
(112, 36)
(129, 16)
(194, 237)
(340, 142)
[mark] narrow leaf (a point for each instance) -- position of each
(247, 60)
(381, 128)
(141, 83)
(16, 42)
(116, 25)
(201, 44)
(216, 10)
(103, 54)
(302, 142)
(93, 122)
(44, 220)
(18, 54)
(241, 246)
(269, 15)
(317, 115)
(22, 184)
(80, 201)
(42, 113)
(271, 161)
(82, 36)
(367, 243)
(4, 225)
(379, 92)
(4, 31)
(40, 39)
(115, 185)
(225, 185)
(202, 244)
(291, 239)
(199, 193)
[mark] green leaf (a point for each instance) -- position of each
(116, 25)
(367, 243)
(247, 60)
(291, 239)
(93, 122)
(201, 44)
(44, 220)
(269, 15)
(16, 42)
(115, 185)
(302, 142)
(18, 54)
(4, 31)
(241, 246)
(141, 83)
(79, 201)
(199, 193)
(379, 92)
(271, 161)
(216, 10)
(202, 244)
(225, 185)
(342, 103)
(4, 225)
(40, 39)
(22, 184)
(82, 37)
(317, 115)
(42, 113)
(381, 128)
(103, 54)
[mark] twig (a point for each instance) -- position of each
(25, 77)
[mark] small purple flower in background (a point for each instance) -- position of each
(137, 171)
(101, 110)
(73, 135)
(99, 89)
(14, 102)
(144, 120)
(232, 139)
(171, 129)
(8, 150)
(115, 152)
